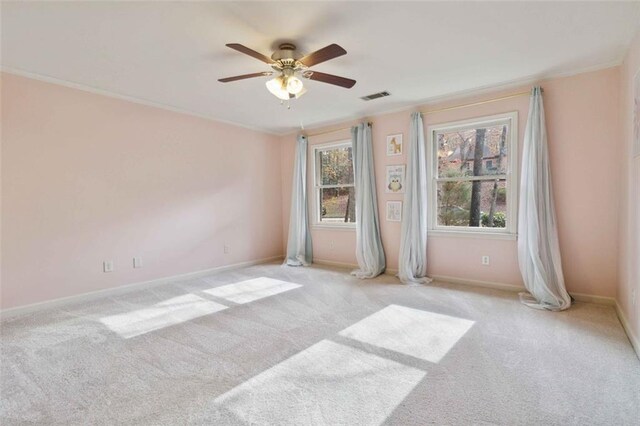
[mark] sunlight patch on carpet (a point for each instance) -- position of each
(164, 314)
(250, 290)
(328, 383)
(421, 334)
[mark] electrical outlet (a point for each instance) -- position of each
(107, 266)
(485, 260)
(226, 249)
(331, 245)
(137, 262)
(633, 296)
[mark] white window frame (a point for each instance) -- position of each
(315, 199)
(511, 177)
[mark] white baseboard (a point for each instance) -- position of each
(635, 342)
(50, 304)
(335, 264)
(580, 297)
(600, 300)
(478, 283)
(388, 271)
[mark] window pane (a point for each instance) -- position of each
(458, 156)
(336, 166)
(337, 205)
(473, 204)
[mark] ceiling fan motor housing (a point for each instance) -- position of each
(286, 54)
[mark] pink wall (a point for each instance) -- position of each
(87, 178)
(582, 113)
(630, 200)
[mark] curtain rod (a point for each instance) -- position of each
(431, 111)
(486, 101)
(333, 131)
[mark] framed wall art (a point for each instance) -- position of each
(395, 179)
(394, 145)
(394, 211)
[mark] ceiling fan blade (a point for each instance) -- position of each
(331, 79)
(322, 55)
(242, 77)
(243, 49)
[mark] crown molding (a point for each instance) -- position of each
(477, 91)
(455, 96)
(132, 99)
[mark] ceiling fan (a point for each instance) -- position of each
(289, 66)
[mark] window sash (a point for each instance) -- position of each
(472, 178)
(337, 221)
(474, 124)
(346, 185)
(510, 177)
(316, 152)
(318, 163)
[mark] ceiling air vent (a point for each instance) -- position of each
(375, 96)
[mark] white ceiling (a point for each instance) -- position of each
(172, 54)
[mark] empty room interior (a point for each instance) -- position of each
(320, 213)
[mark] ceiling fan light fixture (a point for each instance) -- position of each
(300, 93)
(277, 88)
(291, 67)
(294, 85)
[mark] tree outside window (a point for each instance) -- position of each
(472, 173)
(335, 191)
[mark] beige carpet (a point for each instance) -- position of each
(277, 345)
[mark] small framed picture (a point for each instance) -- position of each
(394, 211)
(395, 179)
(394, 145)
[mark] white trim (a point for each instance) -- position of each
(514, 288)
(472, 123)
(391, 271)
(315, 178)
(479, 283)
(485, 235)
(511, 176)
(334, 264)
(589, 298)
(350, 226)
(325, 146)
(580, 297)
(635, 342)
(460, 95)
(132, 99)
(472, 178)
(341, 265)
(126, 288)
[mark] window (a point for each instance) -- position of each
(333, 182)
(473, 187)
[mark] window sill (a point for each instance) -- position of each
(333, 227)
(472, 234)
